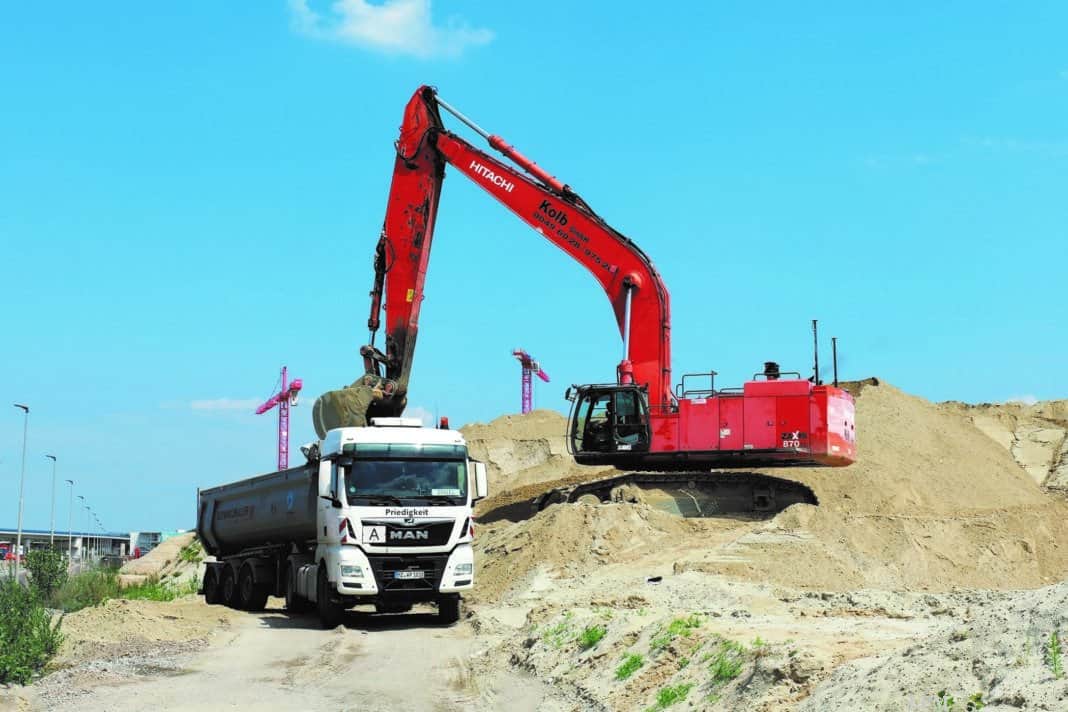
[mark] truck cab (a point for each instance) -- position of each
(395, 503)
(380, 515)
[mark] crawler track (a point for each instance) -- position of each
(695, 494)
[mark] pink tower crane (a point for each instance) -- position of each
(284, 398)
(530, 367)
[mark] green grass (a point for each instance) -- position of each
(667, 696)
(557, 635)
(591, 636)
(680, 627)
(92, 588)
(629, 666)
(1053, 655)
(727, 661)
(683, 626)
(191, 553)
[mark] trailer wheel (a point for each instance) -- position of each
(213, 594)
(253, 597)
(331, 613)
(295, 603)
(229, 588)
(448, 609)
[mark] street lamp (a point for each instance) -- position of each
(70, 520)
(81, 545)
(22, 482)
(52, 536)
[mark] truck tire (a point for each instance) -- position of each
(229, 588)
(213, 595)
(331, 614)
(295, 603)
(448, 610)
(252, 597)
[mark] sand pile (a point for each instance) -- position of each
(934, 502)
(120, 627)
(174, 560)
(569, 540)
(525, 449)
(1035, 435)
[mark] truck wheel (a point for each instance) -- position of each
(229, 588)
(213, 594)
(330, 613)
(253, 597)
(295, 603)
(448, 610)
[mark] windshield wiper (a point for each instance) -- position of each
(446, 497)
(379, 500)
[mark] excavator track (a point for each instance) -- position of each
(689, 494)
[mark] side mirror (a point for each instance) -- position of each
(332, 500)
(481, 482)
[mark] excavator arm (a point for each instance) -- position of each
(637, 294)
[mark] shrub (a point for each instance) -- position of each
(47, 569)
(28, 637)
(591, 636)
(629, 666)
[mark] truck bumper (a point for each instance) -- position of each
(407, 576)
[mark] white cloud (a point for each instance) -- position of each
(1022, 400)
(402, 27)
(249, 404)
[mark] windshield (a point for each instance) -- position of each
(391, 481)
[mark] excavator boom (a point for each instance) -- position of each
(634, 422)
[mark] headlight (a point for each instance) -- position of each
(464, 569)
(351, 571)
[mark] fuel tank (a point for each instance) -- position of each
(267, 510)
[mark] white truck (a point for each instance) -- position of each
(379, 515)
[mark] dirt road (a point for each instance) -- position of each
(271, 661)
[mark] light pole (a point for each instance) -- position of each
(70, 520)
(52, 535)
(22, 483)
(81, 545)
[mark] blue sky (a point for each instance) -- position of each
(190, 195)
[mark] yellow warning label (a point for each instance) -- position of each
(411, 295)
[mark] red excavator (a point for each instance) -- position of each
(640, 422)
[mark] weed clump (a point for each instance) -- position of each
(629, 666)
(667, 696)
(591, 636)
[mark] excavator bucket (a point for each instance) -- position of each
(341, 409)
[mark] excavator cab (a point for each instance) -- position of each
(607, 423)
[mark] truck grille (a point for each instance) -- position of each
(386, 567)
(435, 533)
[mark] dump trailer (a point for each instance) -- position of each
(378, 515)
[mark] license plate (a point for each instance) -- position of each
(409, 574)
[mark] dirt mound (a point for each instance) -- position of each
(174, 560)
(526, 449)
(933, 502)
(915, 457)
(1036, 435)
(568, 540)
(120, 627)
